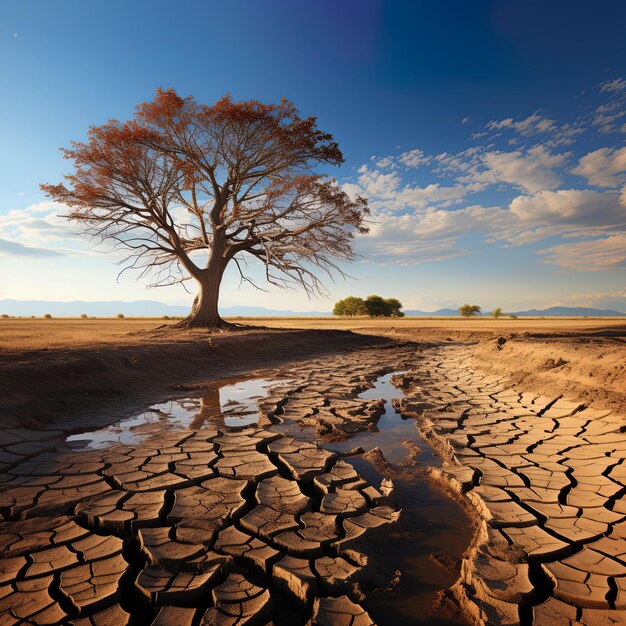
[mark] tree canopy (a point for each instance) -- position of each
(350, 307)
(469, 310)
(187, 188)
(374, 306)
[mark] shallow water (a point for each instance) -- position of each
(232, 404)
(432, 524)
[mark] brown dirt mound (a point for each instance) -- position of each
(589, 367)
(44, 386)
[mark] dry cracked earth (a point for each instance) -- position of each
(204, 524)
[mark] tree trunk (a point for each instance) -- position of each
(204, 312)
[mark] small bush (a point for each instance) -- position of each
(5, 316)
(120, 316)
(32, 317)
(83, 316)
(47, 316)
(469, 310)
(166, 317)
(513, 317)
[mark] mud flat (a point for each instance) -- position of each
(545, 477)
(307, 496)
(209, 526)
(82, 382)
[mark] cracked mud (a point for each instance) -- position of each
(186, 520)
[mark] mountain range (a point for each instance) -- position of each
(152, 308)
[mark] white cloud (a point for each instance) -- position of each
(619, 84)
(518, 191)
(592, 256)
(39, 230)
(604, 299)
(575, 207)
(413, 158)
(605, 167)
(531, 125)
(532, 170)
(607, 116)
(14, 249)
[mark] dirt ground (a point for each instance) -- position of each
(60, 367)
(18, 335)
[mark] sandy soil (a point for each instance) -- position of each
(79, 365)
(17, 335)
(121, 373)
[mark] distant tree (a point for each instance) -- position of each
(48, 316)
(83, 316)
(350, 307)
(376, 306)
(5, 316)
(513, 317)
(393, 307)
(187, 188)
(469, 310)
(497, 312)
(120, 316)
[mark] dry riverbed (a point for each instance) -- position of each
(383, 481)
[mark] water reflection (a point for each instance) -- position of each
(230, 405)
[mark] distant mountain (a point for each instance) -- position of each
(259, 311)
(152, 308)
(136, 308)
(555, 311)
(569, 311)
(437, 313)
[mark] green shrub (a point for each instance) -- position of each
(5, 316)
(469, 310)
(47, 316)
(374, 306)
(120, 316)
(83, 316)
(497, 312)
(350, 306)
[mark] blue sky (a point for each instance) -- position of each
(488, 136)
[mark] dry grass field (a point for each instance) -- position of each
(583, 358)
(17, 335)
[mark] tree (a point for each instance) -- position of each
(497, 312)
(393, 307)
(469, 310)
(376, 306)
(350, 307)
(186, 188)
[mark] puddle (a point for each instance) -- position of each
(228, 405)
(391, 431)
(432, 523)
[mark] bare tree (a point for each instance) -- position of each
(187, 188)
